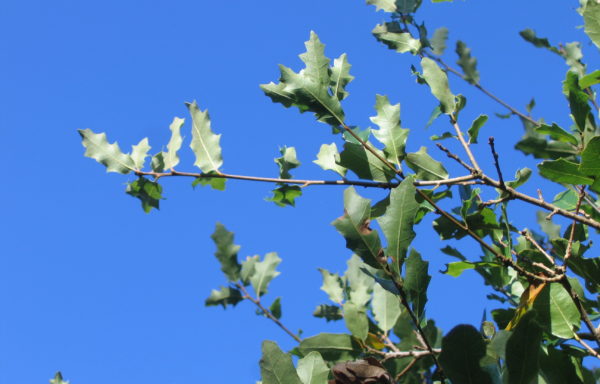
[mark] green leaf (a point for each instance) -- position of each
(425, 166)
(217, 183)
(248, 267)
(287, 162)
(557, 133)
(275, 308)
(416, 281)
(356, 320)
(109, 155)
(311, 88)
(566, 199)
(171, 158)
(590, 158)
(438, 82)
(578, 101)
(390, 134)
(362, 162)
(332, 286)
(224, 296)
(226, 252)
(475, 127)
(462, 348)
(401, 6)
(444, 136)
(340, 77)
(386, 308)
(139, 153)
(58, 379)
(386, 284)
(523, 349)
(591, 19)
(589, 269)
(467, 63)
(385, 5)
(394, 37)
(548, 227)
(285, 194)
(530, 36)
(312, 369)
(332, 347)
(276, 367)
(149, 193)
(521, 177)
(205, 143)
(158, 162)
(264, 272)
(456, 268)
(398, 220)
(558, 366)
(557, 312)
(329, 312)
(573, 55)
(359, 284)
(589, 79)
(438, 41)
(564, 172)
(328, 158)
(354, 226)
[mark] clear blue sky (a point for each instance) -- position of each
(92, 286)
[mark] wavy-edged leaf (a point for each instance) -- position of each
(171, 158)
(139, 152)
(467, 62)
(390, 134)
(386, 308)
(530, 36)
(312, 369)
(328, 312)
(217, 183)
(362, 162)
(276, 366)
(264, 272)
(355, 317)
(287, 161)
(340, 77)
(438, 83)
(158, 162)
(557, 133)
(462, 348)
(438, 41)
(149, 192)
(401, 6)
(309, 89)
(557, 312)
(590, 158)
(285, 194)
(205, 143)
(248, 266)
(332, 346)
(473, 131)
(98, 148)
(354, 226)
(328, 158)
(224, 296)
(392, 35)
(564, 172)
(332, 286)
(227, 252)
(591, 19)
(425, 166)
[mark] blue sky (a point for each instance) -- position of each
(92, 286)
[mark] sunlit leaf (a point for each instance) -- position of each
(224, 296)
(392, 35)
(438, 41)
(328, 158)
(340, 77)
(359, 284)
(475, 127)
(356, 320)
(386, 308)
(149, 193)
(139, 153)
(591, 18)
(557, 312)
(287, 161)
(285, 194)
(390, 134)
(331, 346)
(416, 281)
(226, 252)
(456, 268)
(425, 166)
(557, 133)
(217, 183)
(205, 143)
(589, 79)
(332, 285)
(109, 155)
(563, 171)
(171, 158)
(578, 101)
(58, 379)
(366, 165)
(312, 369)
(438, 82)
(590, 158)
(276, 366)
(328, 312)
(264, 272)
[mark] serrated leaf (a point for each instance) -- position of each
(590, 158)
(416, 281)
(149, 193)
(158, 162)
(98, 148)
(530, 36)
(217, 183)
(557, 312)
(438, 41)
(556, 133)
(171, 159)
(309, 89)
(438, 83)
(467, 63)
(328, 312)
(224, 296)
(205, 143)
(332, 286)
(276, 367)
(578, 101)
(398, 220)
(264, 272)
(226, 252)
(462, 348)
(287, 161)
(564, 172)
(475, 127)
(425, 166)
(392, 35)
(328, 158)
(354, 226)
(58, 379)
(248, 268)
(312, 369)
(390, 134)
(386, 308)
(572, 54)
(362, 162)
(591, 19)
(139, 153)
(332, 346)
(523, 349)
(285, 194)
(275, 308)
(340, 77)
(356, 320)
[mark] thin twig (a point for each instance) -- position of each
(456, 158)
(407, 368)
(465, 145)
(569, 249)
(266, 312)
(530, 238)
(591, 350)
(497, 162)
(584, 316)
